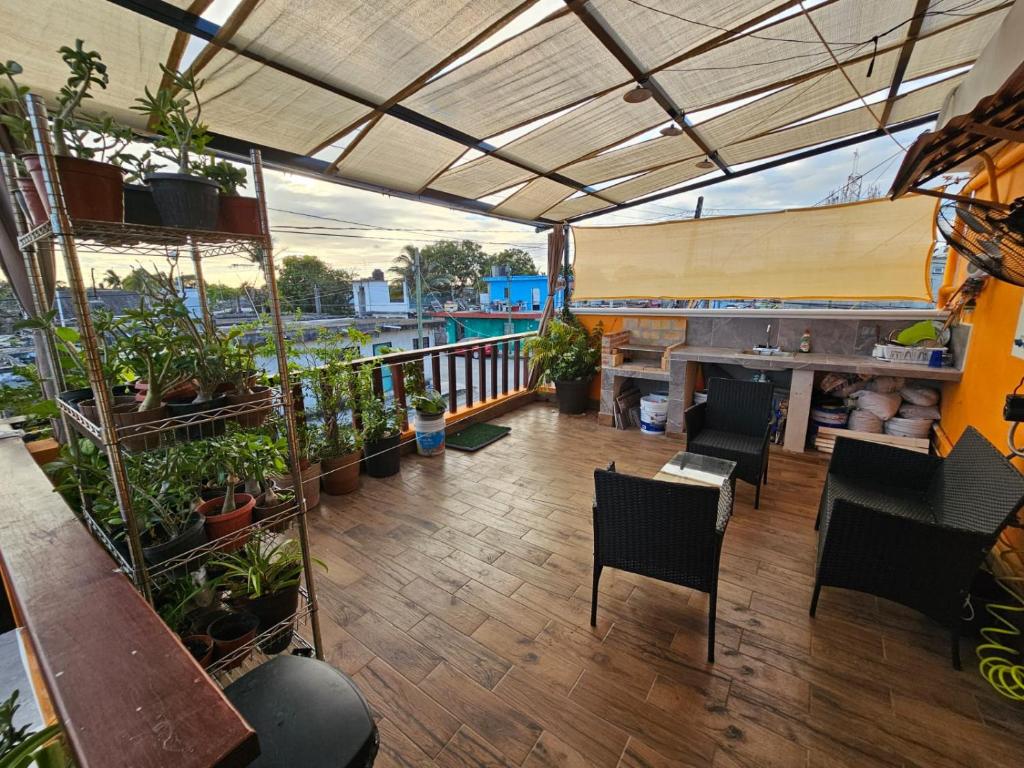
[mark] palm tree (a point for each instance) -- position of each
(404, 270)
(111, 279)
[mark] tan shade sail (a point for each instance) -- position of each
(878, 249)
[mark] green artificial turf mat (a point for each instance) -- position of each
(475, 437)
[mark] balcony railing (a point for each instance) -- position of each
(471, 372)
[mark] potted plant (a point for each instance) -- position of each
(428, 406)
(184, 198)
(263, 579)
(238, 215)
(139, 205)
(332, 380)
(240, 372)
(567, 355)
(382, 427)
(230, 632)
(16, 138)
(177, 601)
(163, 489)
(234, 458)
(92, 188)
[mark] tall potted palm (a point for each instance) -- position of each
(568, 355)
(334, 385)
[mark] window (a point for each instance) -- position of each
(396, 292)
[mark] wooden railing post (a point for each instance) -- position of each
(398, 385)
(482, 368)
(494, 371)
(435, 371)
(469, 377)
(453, 385)
(504, 368)
(516, 365)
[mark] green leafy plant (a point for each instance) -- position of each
(566, 351)
(261, 567)
(180, 596)
(21, 749)
(430, 402)
(379, 419)
(86, 468)
(248, 457)
(333, 381)
(87, 70)
(175, 112)
(150, 344)
(229, 177)
(13, 116)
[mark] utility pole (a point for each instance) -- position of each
(419, 298)
(92, 273)
(509, 326)
(316, 298)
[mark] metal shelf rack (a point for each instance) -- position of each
(77, 237)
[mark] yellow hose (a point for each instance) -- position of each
(996, 660)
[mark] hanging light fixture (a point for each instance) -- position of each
(673, 129)
(705, 163)
(638, 94)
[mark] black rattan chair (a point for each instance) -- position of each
(733, 424)
(914, 528)
(666, 531)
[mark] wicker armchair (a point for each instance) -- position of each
(734, 424)
(914, 528)
(667, 531)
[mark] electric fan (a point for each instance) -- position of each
(990, 239)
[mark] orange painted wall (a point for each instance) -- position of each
(990, 371)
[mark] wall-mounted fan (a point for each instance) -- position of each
(990, 239)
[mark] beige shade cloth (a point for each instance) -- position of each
(878, 249)
(132, 46)
(668, 176)
(373, 49)
(480, 177)
(423, 155)
(550, 67)
(954, 46)
(533, 199)
(575, 206)
(248, 101)
(633, 159)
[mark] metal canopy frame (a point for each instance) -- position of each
(192, 24)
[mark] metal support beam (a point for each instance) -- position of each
(611, 42)
(904, 59)
(814, 152)
(165, 13)
(997, 132)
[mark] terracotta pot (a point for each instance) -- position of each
(134, 421)
(310, 483)
(220, 525)
(254, 418)
(230, 632)
(185, 390)
(92, 190)
(201, 648)
(239, 215)
(263, 512)
(341, 473)
(33, 207)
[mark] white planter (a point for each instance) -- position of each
(429, 434)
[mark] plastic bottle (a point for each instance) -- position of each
(805, 341)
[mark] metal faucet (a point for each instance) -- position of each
(768, 336)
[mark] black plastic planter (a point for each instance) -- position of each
(382, 457)
(185, 202)
(139, 206)
(192, 537)
(271, 610)
(572, 395)
(178, 408)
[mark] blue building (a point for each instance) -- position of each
(527, 293)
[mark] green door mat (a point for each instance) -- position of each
(475, 437)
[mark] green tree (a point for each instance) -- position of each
(404, 270)
(518, 260)
(111, 279)
(301, 276)
(456, 263)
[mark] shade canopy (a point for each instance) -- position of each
(515, 107)
(877, 249)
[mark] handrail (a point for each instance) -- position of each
(125, 689)
(492, 383)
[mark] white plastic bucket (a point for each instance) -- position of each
(429, 434)
(653, 414)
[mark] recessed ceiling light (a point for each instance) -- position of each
(671, 130)
(638, 94)
(705, 163)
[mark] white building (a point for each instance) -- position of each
(376, 296)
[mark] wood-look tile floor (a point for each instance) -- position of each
(458, 595)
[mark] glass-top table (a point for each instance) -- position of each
(696, 469)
